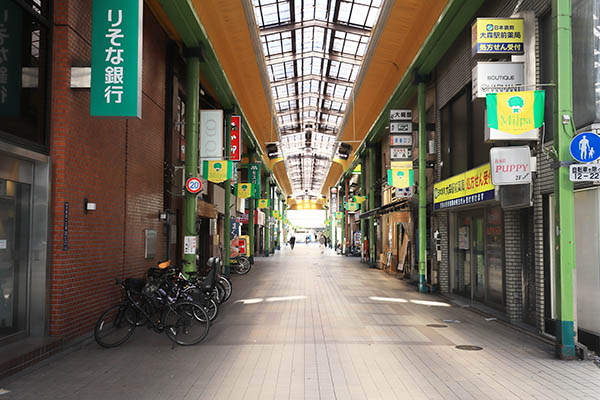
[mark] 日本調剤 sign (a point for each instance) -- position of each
(497, 36)
(117, 58)
(470, 187)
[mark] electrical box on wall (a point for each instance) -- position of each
(212, 227)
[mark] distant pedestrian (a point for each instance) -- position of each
(307, 240)
(292, 241)
(322, 244)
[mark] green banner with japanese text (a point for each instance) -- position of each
(117, 58)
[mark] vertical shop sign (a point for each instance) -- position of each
(254, 175)
(236, 138)
(117, 58)
(10, 58)
(211, 134)
(333, 202)
(497, 36)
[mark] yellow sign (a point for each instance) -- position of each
(516, 113)
(217, 171)
(360, 199)
(352, 206)
(470, 187)
(243, 190)
(263, 203)
(497, 36)
(400, 178)
(339, 214)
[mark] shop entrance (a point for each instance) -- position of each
(469, 272)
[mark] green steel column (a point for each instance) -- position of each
(281, 238)
(563, 187)
(371, 185)
(251, 202)
(363, 206)
(267, 216)
(227, 183)
(422, 189)
(191, 154)
(343, 238)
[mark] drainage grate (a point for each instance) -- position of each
(468, 347)
(437, 325)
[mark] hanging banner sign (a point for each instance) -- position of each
(11, 28)
(352, 206)
(264, 203)
(510, 165)
(360, 199)
(339, 215)
(236, 138)
(470, 187)
(403, 193)
(400, 177)
(243, 190)
(217, 171)
(211, 134)
(515, 113)
(497, 36)
(116, 86)
(254, 178)
(333, 201)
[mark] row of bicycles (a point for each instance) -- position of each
(181, 305)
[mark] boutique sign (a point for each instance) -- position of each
(494, 77)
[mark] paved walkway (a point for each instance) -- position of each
(302, 325)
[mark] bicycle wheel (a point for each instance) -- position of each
(212, 309)
(139, 318)
(186, 323)
(226, 284)
(218, 293)
(115, 326)
(243, 266)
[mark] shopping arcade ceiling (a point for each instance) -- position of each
(233, 36)
(313, 51)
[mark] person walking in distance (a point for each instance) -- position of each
(292, 241)
(322, 243)
(307, 240)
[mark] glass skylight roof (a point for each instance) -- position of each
(313, 52)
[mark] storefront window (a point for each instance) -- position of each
(24, 47)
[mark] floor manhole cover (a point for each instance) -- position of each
(437, 325)
(468, 347)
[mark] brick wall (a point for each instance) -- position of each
(114, 162)
(512, 258)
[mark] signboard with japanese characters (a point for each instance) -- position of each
(497, 36)
(401, 127)
(211, 134)
(254, 178)
(403, 193)
(236, 138)
(584, 172)
(400, 153)
(401, 140)
(117, 58)
(510, 165)
(401, 115)
(473, 186)
(11, 27)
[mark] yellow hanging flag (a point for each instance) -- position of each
(400, 178)
(339, 214)
(217, 171)
(360, 199)
(243, 190)
(352, 206)
(263, 203)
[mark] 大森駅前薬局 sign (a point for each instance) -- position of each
(470, 187)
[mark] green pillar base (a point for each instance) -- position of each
(423, 284)
(565, 346)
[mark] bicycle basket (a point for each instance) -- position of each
(135, 284)
(151, 287)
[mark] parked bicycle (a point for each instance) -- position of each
(185, 322)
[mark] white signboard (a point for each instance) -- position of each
(510, 165)
(211, 134)
(495, 77)
(401, 140)
(189, 245)
(404, 193)
(401, 127)
(400, 153)
(584, 172)
(401, 115)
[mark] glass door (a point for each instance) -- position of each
(463, 268)
(478, 258)
(14, 248)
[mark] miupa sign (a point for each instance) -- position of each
(510, 165)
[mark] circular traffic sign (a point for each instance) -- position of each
(193, 185)
(585, 147)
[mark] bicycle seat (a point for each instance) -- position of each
(164, 264)
(212, 262)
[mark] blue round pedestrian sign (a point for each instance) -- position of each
(585, 147)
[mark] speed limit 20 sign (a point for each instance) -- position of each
(193, 185)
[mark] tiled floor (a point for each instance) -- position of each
(302, 325)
